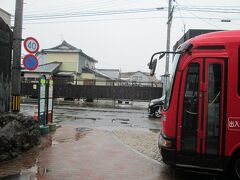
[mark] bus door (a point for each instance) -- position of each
(199, 136)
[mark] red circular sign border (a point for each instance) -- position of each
(25, 45)
(24, 61)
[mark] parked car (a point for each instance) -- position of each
(155, 107)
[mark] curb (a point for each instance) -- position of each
(132, 149)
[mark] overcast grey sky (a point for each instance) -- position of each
(125, 41)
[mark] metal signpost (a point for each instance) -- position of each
(42, 101)
(45, 87)
(50, 101)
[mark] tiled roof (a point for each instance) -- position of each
(68, 48)
(129, 74)
(113, 73)
(98, 73)
(63, 47)
(65, 73)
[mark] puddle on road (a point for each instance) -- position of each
(26, 165)
(55, 143)
(120, 119)
(28, 174)
(154, 130)
(71, 136)
(83, 129)
(94, 119)
(73, 118)
(124, 122)
(81, 132)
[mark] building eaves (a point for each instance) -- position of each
(65, 47)
(60, 51)
(88, 57)
(96, 72)
(7, 13)
(65, 73)
(113, 73)
(128, 74)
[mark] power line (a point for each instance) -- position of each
(86, 14)
(229, 11)
(47, 17)
(126, 19)
(113, 12)
(95, 5)
(94, 20)
(184, 24)
(200, 18)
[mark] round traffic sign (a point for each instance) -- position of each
(31, 45)
(30, 62)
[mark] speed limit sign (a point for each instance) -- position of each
(31, 45)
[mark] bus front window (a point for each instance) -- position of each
(169, 87)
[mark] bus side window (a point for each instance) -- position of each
(190, 109)
(191, 89)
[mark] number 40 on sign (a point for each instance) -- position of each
(31, 45)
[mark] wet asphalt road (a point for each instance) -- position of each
(110, 118)
(101, 117)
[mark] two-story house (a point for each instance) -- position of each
(73, 60)
(68, 63)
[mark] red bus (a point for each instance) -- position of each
(201, 114)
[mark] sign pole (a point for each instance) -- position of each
(42, 101)
(50, 101)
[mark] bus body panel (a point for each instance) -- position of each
(233, 102)
(225, 55)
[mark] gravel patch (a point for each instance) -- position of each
(144, 141)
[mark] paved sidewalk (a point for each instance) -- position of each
(94, 155)
(73, 153)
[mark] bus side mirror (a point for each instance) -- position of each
(153, 63)
(152, 67)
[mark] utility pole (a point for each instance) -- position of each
(16, 64)
(169, 23)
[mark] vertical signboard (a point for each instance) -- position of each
(50, 101)
(42, 101)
